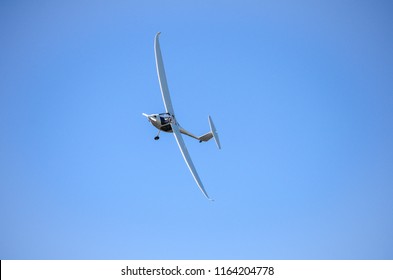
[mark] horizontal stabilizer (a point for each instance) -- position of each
(214, 132)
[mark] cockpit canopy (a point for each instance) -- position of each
(165, 118)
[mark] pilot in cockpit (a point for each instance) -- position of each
(165, 119)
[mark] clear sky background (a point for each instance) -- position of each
(300, 91)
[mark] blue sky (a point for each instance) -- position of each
(302, 96)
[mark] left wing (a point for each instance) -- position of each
(162, 77)
(187, 158)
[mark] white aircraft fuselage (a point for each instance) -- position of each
(161, 121)
(164, 122)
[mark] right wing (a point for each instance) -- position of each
(162, 77)
(187, 158)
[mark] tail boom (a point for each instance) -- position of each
(205, 137)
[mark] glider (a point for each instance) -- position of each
(167, 121)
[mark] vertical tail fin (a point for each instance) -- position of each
(212, 134)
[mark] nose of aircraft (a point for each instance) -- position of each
(151, 118)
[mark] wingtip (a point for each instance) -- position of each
(208, 197)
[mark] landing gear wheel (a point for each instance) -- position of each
(156, 138)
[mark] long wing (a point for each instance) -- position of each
(187, 158)
(162, 77)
